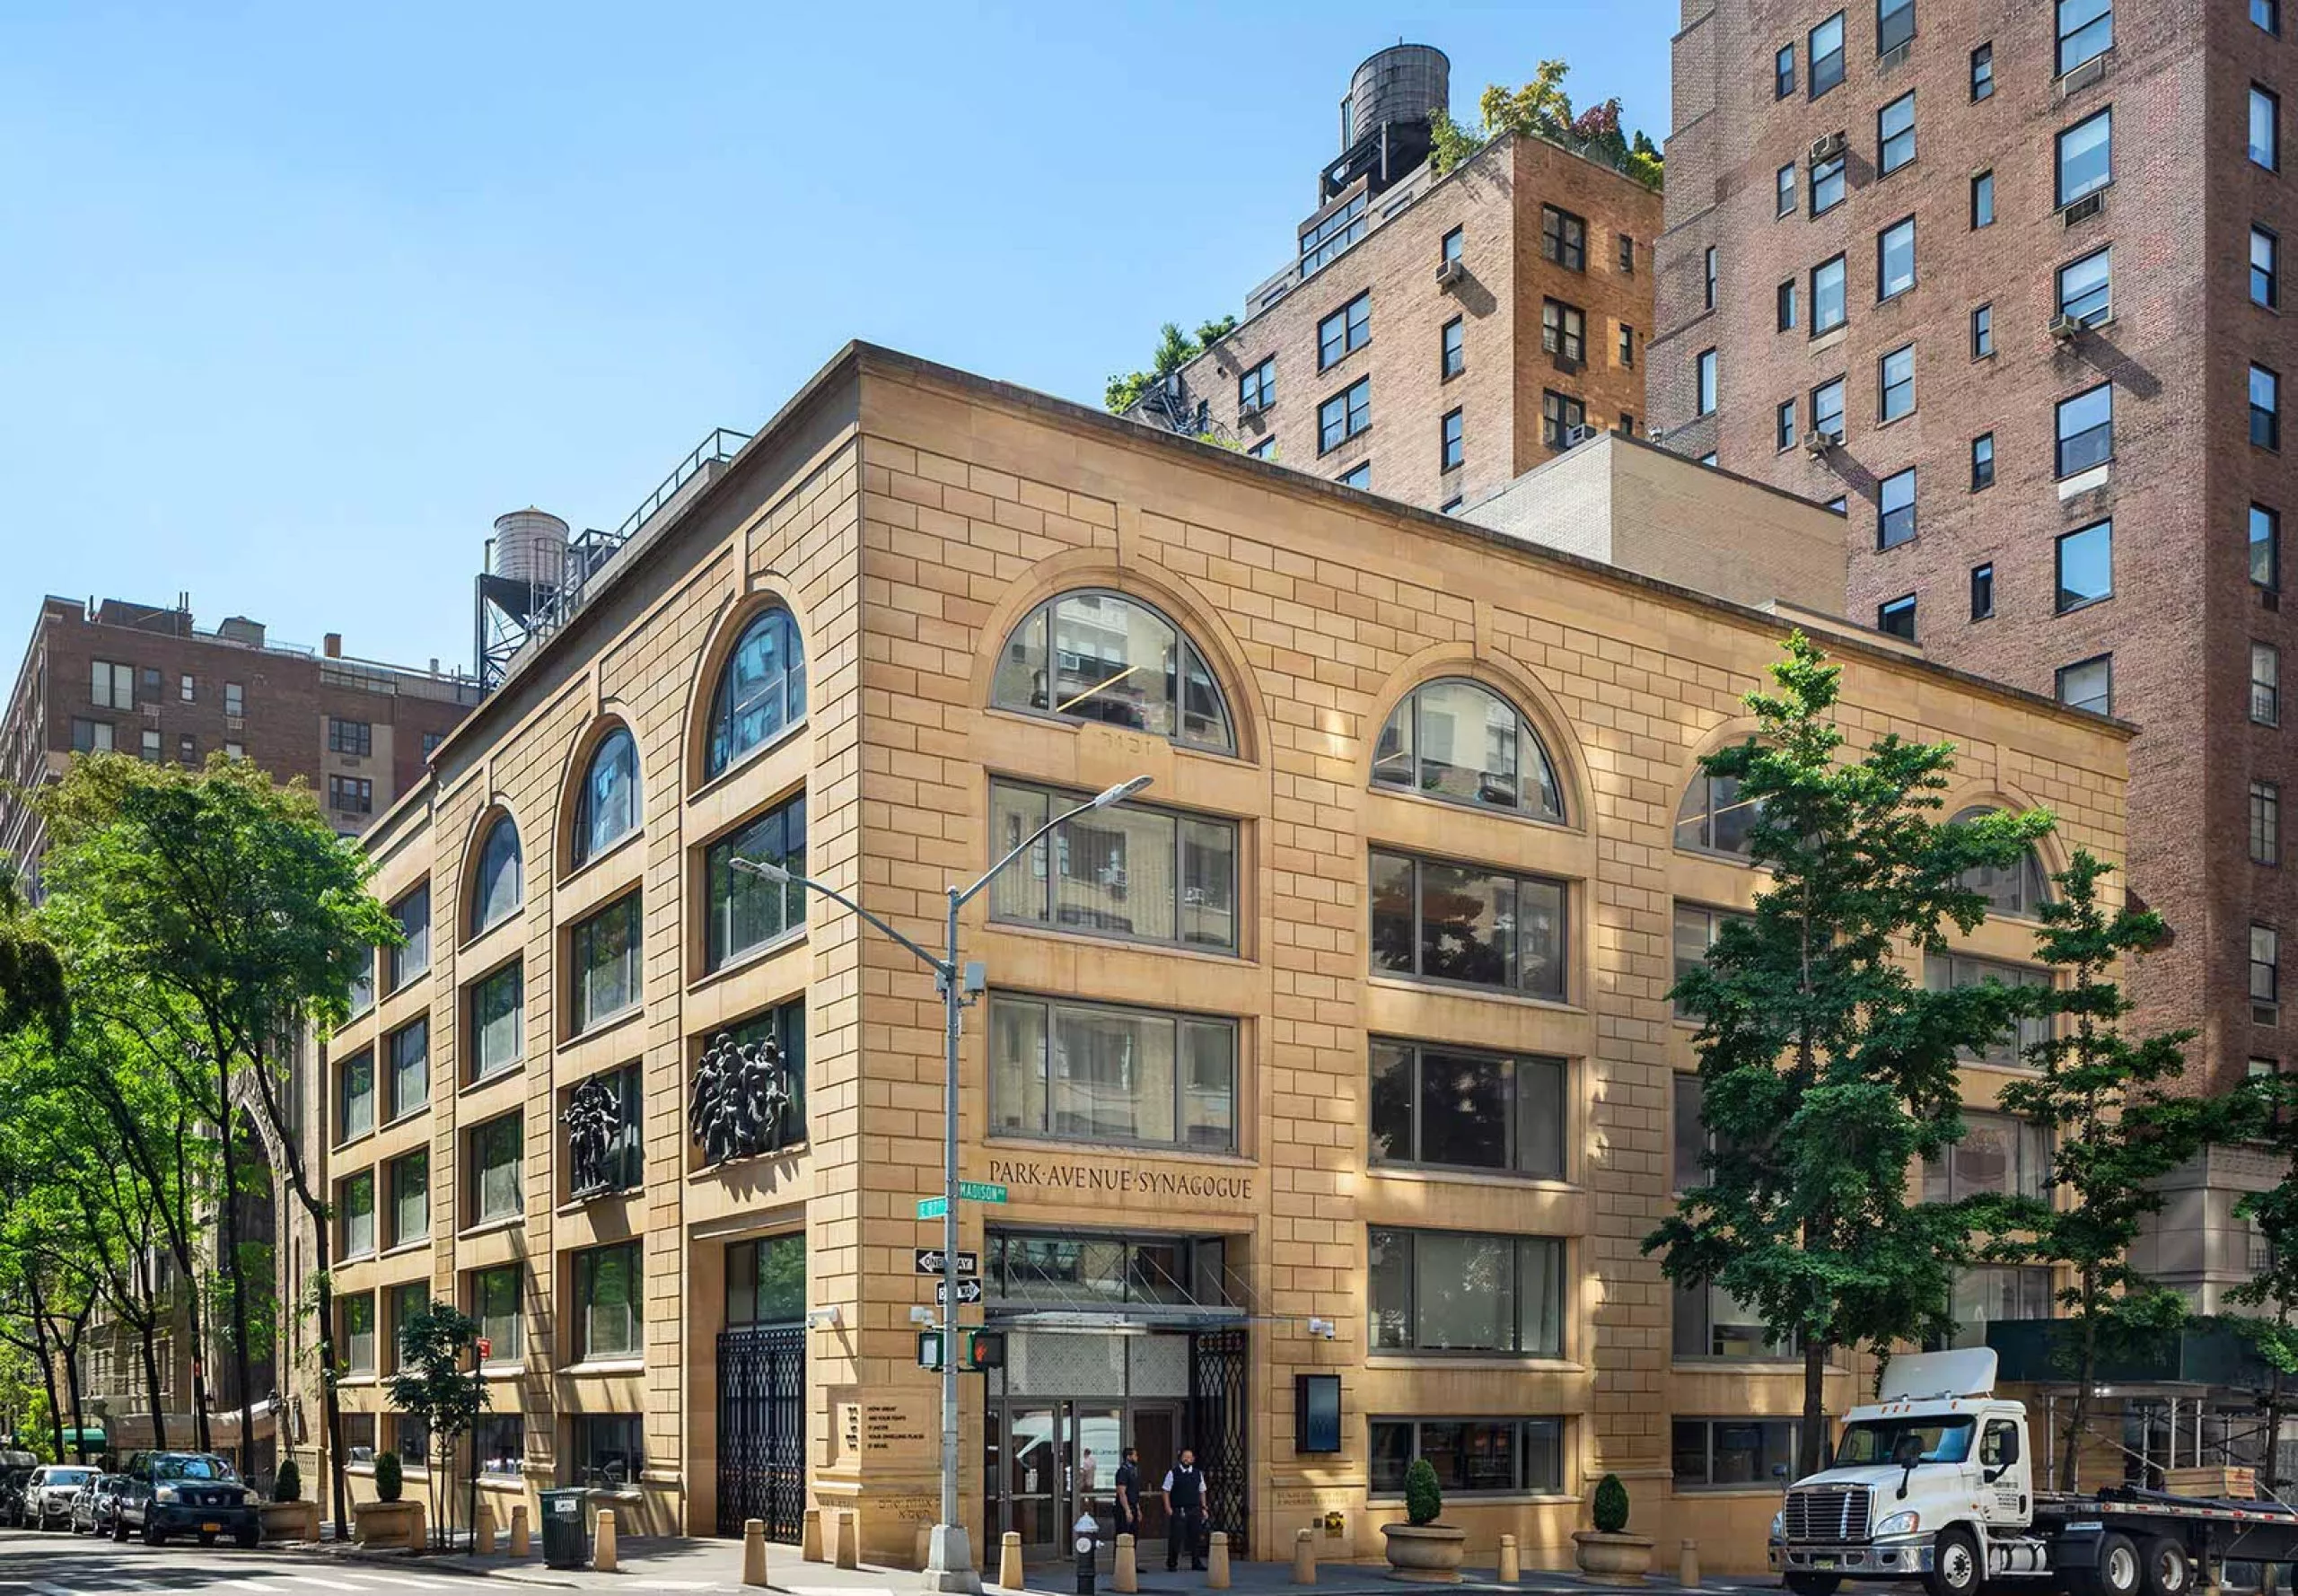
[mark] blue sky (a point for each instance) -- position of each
(295, 299)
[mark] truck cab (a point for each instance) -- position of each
(1935, 1481)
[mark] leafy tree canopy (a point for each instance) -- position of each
(1541, 109)
(1175, 349)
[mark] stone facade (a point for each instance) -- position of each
(910, 519)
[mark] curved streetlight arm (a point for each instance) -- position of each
(1101, 800)
(775, 872)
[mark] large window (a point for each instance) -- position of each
(1345, 415)
(1950, 972)
(1894, 618)
(2086, 566)
(1257, 389)
(499, 1443)
(2085, 157)
(604, 961)
(607, 1303)
(1982, 478)
(354, 738)
(355, 1095)
(1452, 349)
(497, 1020)
(501, 887)
(1454, 739)
(1564, 330)
(1344, 332)
(1828, 298)
(1324, 241)
(1696, 927)
(1732, 1454)
(355, 1200)
(1826, 53)
(607, 808)
(1895, 260)
(1894, 24)
(2019, 891)
(1089, 1072)
(410, 1054)
(744, 910)
(363, 984)
(2088, 684)
(495, 1303)
(766, 1280)
(1987, 1293)
(410, 1179)
(1895, 508)
(1518, 1455)
(1095, 657)
(1440, 921)
(2266, 128)
(761, 690)
(1828, 184)
(111, 686)
(1150, 874)
(405, 1301)
(2086, 29)
(1710, 1322)
(1443, 1290)
(1560, 413)
(1895, 381)
(1713, 818)
(1563, 238)
(2086, 429)
(412, 957)
(1894, 134)
(1450, 441)
(2086, 288)
(1826, 414)
(494, 1189)
(1998, 1154)
(1050, 1270)
(609, 1449)
(1458, 1108)
(358, 1319)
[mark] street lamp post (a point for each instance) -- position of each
(949, 1563)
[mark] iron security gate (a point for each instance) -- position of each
(762, 1428)
(1217, 1422)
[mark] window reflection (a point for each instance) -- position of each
(1098, 657)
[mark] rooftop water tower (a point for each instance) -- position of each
(517, 589)
(1385, 116)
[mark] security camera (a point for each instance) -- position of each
(921, 1315)
(1324, 1327)
(825, 1319)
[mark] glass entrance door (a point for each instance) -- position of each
(1060, 1461)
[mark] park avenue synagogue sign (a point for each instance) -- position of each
(1055, 1178)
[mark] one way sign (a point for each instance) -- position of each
(968, 1290)
(931, 1261)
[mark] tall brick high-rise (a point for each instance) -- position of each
(2003, 283)
(1436, 333)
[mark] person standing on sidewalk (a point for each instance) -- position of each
(1185, 1512)
(1128, 1493)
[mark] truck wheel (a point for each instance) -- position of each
(2121, 1570)
(1955, 1566)
(2170, 1572)
(1814, 1585)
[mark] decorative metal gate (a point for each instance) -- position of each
(1218, 1428)
(762, 1428)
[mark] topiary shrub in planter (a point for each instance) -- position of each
(390, 1481)
(1608, 1552)
(1421, 1550)
(289, 1486)
(287, 1516)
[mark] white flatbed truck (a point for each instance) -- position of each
(1936, 1482)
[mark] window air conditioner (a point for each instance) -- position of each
(1574, 435)
(2064, 327)
(2083, 209)
(1448, 272)
(1249, 411)
(1818, 442)
(2079, 78)
(1896, 55)
(1826, 147)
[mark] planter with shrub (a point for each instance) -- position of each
(1608, 1552)
(1421, 1550)
(387, 1520)
(287, 1516)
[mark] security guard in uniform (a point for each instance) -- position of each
(1185, 1512)
(1128, 1493)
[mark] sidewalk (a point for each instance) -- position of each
(679, 1563)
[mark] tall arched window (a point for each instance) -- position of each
(761, 690)
(500, 887)
(1094, 657)
(1454, 739)
(606, 807)
(1713, 818)
(2017, 892)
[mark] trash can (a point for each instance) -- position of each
(565, 1532)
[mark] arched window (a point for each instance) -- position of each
(1453, 739)
(1094, 657)
(2017, 892)
(1713, 818)
(500, 889)
(762, 690)
(606, 807)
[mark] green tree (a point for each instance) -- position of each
(1175, 349)
(2273, 1213)
(2115, 1132)
(31, 974)
(438, 1380)
(1540, 108)
(1826, 1070)
(229, 916)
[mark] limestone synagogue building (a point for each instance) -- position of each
(1338, 1064)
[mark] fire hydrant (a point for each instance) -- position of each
(1088, 1545)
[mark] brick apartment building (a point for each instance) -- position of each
(2003, 285)
(1435, 336)
(143, 679)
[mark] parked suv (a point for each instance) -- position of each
(16, 1468)
(48, 1495)
(185, 1493)
(96, 1505)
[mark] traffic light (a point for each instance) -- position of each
(977, 1350)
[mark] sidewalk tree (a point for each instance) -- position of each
(437, 1381)
(1827, 1071)
(2273, 1290)
(2115, 1130)
(229, 914)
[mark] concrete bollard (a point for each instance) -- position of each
(1304, 1557)
(521, 1542)
(1688, 1567)
(754, 1551)
(602, 1546)
(809, 1536)
(1512, 1566)
(1216, 1565)
(418, 1538)
(1127, 1578)
(849, 1538)
(1009, 1559)
(482, 1531)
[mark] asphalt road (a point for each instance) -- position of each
(56, 1564)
